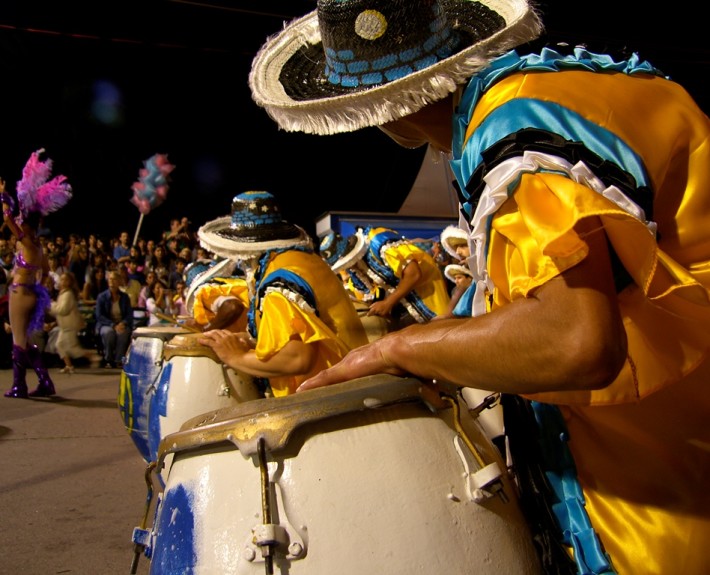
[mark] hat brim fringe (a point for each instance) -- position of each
(382, 104)
(453, 270)
(449, 233)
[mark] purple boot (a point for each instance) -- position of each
(45, 387)
(19, 369)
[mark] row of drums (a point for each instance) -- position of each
(375, 475)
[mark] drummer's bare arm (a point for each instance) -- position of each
(411, 274)
(567, 335)
(235, 350)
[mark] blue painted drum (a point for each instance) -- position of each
(141, 370)
(369, 476)
(192, 381)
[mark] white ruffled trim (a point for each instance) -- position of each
(506, 176)
(291, 296)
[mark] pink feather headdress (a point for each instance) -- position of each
(36, 192)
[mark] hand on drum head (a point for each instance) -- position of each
(230, 347)
(370, 359)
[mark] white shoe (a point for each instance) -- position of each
(67, 369)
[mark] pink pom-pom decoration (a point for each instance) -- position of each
(151, 189)
(36, 192)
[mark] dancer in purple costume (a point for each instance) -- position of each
(37, 196)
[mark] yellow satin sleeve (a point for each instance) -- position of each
(642, 445)
(644, 469)
(282, 321)
(532, 240)
(206, 295)
(432, 286)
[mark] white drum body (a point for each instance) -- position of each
(139, 377)
(361, 478)
(192, 381)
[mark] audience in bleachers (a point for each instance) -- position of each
(92, 258)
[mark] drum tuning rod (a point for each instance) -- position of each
(266, 549)
(138, 549)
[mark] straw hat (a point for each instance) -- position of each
(255, 226)
(451, 237)
(351, 64)
(453, 270)
(342, 253)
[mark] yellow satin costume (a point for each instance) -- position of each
(431, 287)
(335, 329)
(203, 307)
(642, 445)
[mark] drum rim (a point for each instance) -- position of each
(275, 419)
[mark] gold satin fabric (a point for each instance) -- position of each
(431, 287)
(641, 445)
(206, 295)
(335, 331)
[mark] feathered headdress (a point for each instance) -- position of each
(36, 192)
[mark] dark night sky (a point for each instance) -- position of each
(104, 91)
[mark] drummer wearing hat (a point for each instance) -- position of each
(394, 276)
(583, 189)
(300, 318)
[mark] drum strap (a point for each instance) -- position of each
(551, 496)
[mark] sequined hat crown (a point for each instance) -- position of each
(255, 225)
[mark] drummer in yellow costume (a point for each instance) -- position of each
(300, 319)
(583, 184)
(217, 295)
(394, 276)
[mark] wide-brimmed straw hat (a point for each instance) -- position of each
(451, 237)
(453, 270)
(342, 253)
(255, 226)
(351, 64)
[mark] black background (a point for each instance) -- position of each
(178, 74)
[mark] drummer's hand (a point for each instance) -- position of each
(380, 308)
(370, 359)
(230, 347)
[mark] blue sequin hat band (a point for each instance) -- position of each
(351, 64)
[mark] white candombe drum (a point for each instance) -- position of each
(192, 381)
(363, 477)
(139, 377)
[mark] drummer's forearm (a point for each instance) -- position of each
(295, 358)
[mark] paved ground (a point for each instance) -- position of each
(71, 479)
